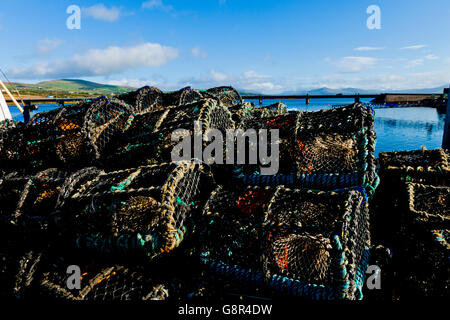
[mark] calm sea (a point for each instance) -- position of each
(397, 129)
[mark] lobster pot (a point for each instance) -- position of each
(425, 232)
(228, 96)
(255, 118)
(70, 143)
(320, 239)
(231, 224)
(103, 125)
(331, 149)
(39, 140)
(11, 144)
(143, 100)
(253, 124)
(309, 244)
(99, 282)
(138, 143)
(11, 188)
(34, 200)
(429, 167)
(207, 113)
(18, 270)
(419, 166)
(140, 212)
(181, 97)
(240, 111)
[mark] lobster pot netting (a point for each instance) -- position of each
(104, 123)
(295, 242)
(227, 96)
(336, 143)
(18, 270)
(137, 145)
(11, 144)
(240, 111)
(99, 282)
(251, 118)
(39, 140)
(181, 97)
(319, 238)
(425, 231)
(420, 166)
(231, 226)
(285, 124)
(330, 148)
(142, 212)
(196, 119)
(143, 100)
(29, 200)
(70, 142)
(38, 199)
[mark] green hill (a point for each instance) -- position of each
(68, 87)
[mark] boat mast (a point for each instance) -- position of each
(11, 96)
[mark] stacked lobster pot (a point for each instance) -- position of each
(280, 241)
(416, 220)
(77, 190)
(303, 231)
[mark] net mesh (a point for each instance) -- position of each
(228, 96)
(301, 227)
(231, 226)
(425, 246)
(181, 97)
(103, 125)
(335, 141)
(143, 100)
(324, 149)
(11, 144)
(318, 238)
(144, 210)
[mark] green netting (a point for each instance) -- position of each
(323, 149)
(181, 97)
(207, 112)
(228, 96)
(316, 239)
(143, 100)
(103, 125)
(144, 211)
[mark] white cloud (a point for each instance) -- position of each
(157, 4)
(101, 62)
(47, 46)
(218, 76)
(368, 48)
(355, 64)
(414, 63)
(415, 47)
(101, 12)
(431, 57)
(197, 52)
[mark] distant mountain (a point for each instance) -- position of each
(326, 91)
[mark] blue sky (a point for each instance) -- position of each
(256, 45)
